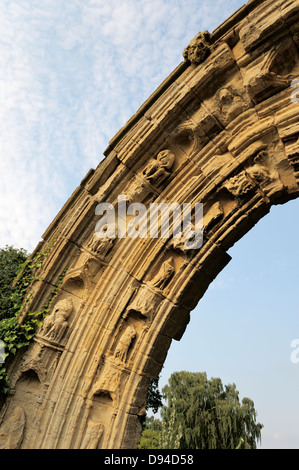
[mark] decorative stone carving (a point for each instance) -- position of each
(55, 324)
(164, 275)
(83, 275)
(92, 435)
(230, 104)
(273, 72)
(179, 244)
(12, 430)
(198, 49)
(260, 173)
(107, 383)
(141, 304)
(255, 176)
(32, 361)
(213, 216)
(136, 190)
(158, 170)
(102, 245)
(72, 386)
(122, 348)
(183, 244)
(292, 152)
(239, 185)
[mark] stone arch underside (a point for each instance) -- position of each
(227, 119)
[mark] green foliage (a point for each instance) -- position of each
(151, 428)
(150, 438)
(11, 259)
(169, 439)
(208, 415)
(154, 397)
(16, 334)
(202, 414)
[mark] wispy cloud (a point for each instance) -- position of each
(71, 74)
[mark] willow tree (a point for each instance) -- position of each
(209, 415)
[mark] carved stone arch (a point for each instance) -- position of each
(34, 375)
(227, 124)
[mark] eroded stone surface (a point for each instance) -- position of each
(223, 131)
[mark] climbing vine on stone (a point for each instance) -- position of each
(16, 334)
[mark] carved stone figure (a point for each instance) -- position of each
(158, 170)
(55, 324)
(12, 431)
(164, 275)
(136, 190)
(179, 244)
(121, 350)
(259, 172)
(239, 185)
(198, 49)
(230, 104)
(92, 435)
(101, 376)
(99, 245)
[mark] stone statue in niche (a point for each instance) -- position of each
(164, 275)
(92, 435)
(198, 49)
(122, 348)
(98, 245)
(12, 431)
(158, 170)
(55, 324)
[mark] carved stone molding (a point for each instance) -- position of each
(198, 49)
(222, 131)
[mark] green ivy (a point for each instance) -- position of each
(15, 334)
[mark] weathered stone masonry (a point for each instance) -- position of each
(226, 115)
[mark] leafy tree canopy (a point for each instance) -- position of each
(154, 397)
(11, 260)
(207, 415)
(150, 438)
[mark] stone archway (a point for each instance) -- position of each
(228, 116)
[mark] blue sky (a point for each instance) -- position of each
(71, 75)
